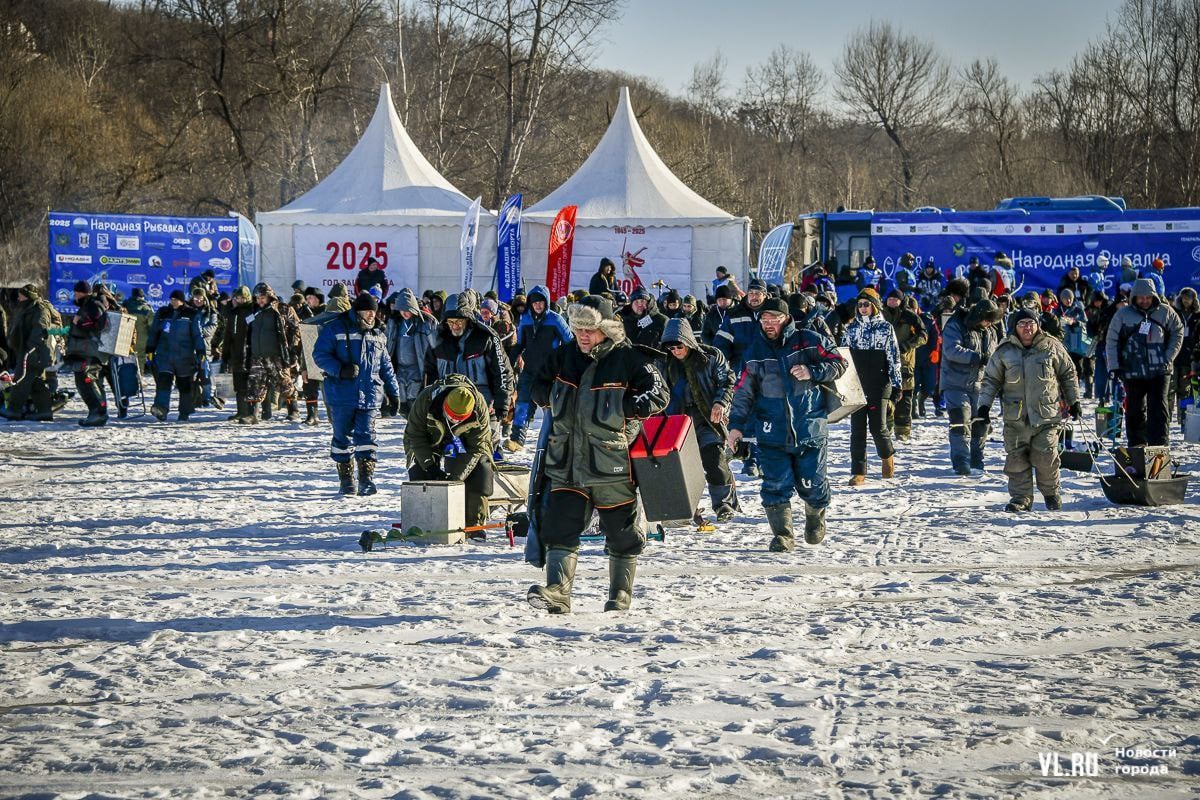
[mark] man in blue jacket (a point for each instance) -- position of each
(541, 332)
(352, 353)
(779, 401)
(177, 346)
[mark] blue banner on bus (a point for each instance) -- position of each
(156, 254)
(1044, 245)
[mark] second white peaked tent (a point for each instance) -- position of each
(384, 197)
(632, 207)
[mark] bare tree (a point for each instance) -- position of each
(532, 43)
(899, 83)
(707, 90)
(1181, 102)
(989, 104)
(779, 97)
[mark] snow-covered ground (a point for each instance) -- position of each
(186, 613)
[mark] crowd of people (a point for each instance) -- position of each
(753, 369)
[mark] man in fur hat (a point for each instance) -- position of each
(598, 389)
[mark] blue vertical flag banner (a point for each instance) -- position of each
(508, 248)
(155, 254)
(772, 253)
(1044, 245)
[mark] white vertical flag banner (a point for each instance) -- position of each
(772, 253)
(470, 234)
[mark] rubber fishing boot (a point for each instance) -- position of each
(814, 524)
(779, 517)
(555, 596)
(621, 571)
(366, 475)
(345, 471)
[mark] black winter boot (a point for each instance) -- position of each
(251, 415)
(779, 517)
(722, 501)
(555, 596)
(621, 571)
(366, 473)
(1019, 504)
(814, 524)
(96, 418)
(266, 409)
(1053, 502)
(241, 410)
(293, 411)
(345, 471)
(311, 419)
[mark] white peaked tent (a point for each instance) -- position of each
(384, 197)
(632, 206)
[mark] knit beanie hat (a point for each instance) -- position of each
(83, 286)
(871, 296)
(458, 404)
(1023, 314)
(776, 305)
(366, 302)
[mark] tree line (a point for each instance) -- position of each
(210, 106)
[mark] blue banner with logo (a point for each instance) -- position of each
(1044, 245)
(772, 253)
(155, 254)
(508, 248)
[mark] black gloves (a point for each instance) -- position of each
(348, 372)
(984, 413)
(1076, 410)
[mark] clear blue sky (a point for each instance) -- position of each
(664, 39)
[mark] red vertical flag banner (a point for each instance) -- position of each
(558, 264)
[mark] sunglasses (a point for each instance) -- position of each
(677, 347)
(865, 304)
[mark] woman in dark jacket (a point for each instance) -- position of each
(605, 279)
(701, 385)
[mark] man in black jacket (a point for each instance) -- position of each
(465, 346)
(643, 321)
(84, 356)
(598, 389)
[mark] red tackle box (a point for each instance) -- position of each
(666, 465)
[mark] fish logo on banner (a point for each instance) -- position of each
(466, 245)
(558, 263)
(772, 253)
(508, 248)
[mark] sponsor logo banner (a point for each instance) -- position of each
(124, 251)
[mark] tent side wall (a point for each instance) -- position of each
(437, 255)
(712, 245)
(277, 256)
